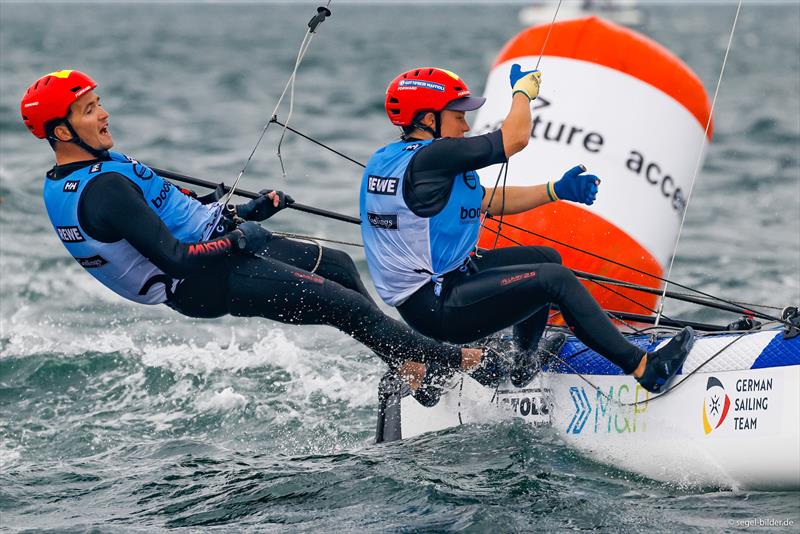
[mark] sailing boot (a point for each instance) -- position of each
(528, 363)
(430, 391)
(492, 370)
(663, 364)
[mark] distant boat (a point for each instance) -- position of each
(623, 12)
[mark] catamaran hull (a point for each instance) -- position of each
(723, 425)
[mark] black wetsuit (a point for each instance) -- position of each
(502, 287)
(277, 285)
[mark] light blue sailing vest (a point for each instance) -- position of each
(405, 251)
(118, 265)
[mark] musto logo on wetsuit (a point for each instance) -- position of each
(118, 265)
(405, 251)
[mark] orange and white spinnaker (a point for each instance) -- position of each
(629, 110)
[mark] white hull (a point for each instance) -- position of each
(686, 436)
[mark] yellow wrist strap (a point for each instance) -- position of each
(551, 192)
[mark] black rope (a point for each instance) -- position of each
(598, 256)
(488, 213)
(318, 143)
(498, 235)
(616, 317)
(502, 208)
(626, 297)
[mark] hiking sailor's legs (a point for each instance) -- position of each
(474, 305)
(256, 286)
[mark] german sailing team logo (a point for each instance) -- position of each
(716, 405)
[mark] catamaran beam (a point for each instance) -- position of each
(671, 294)
(649, 319)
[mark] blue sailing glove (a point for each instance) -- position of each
(264, 206)
(525, 81)
(252, 238)
(575, 186)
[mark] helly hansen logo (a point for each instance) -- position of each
(470, 180)
(387, 222)
(92, 262)
(97, 167)
(382, 186)
(210, 248)
(142, 171)
(70, 186)
(69, 234)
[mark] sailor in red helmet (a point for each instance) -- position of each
(152, 243)
(421, 203)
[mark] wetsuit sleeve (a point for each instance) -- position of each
(112, 208)
(429, 178)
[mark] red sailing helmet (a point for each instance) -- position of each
(50, 98)
(427, 89)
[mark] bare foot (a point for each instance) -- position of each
(639, 371)
(413, 373)
(470, 358)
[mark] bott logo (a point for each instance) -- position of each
(158, 201)
(470, 213)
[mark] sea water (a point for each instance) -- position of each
(126, 418)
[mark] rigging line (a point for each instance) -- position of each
(699, 157)
(666, 280)
(598, 256)
(670, 294)
(487, 213)
(620, 294)
(578, 274)
(266, 126)
(502, 210)
(612, 314)
(634, 330)
(504, 167)
(322, 13)
(319, 143)
(547, 37)
(291, 235)
(291, 104)
(346, 218)
(673, 329)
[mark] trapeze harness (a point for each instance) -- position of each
(118, 265)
